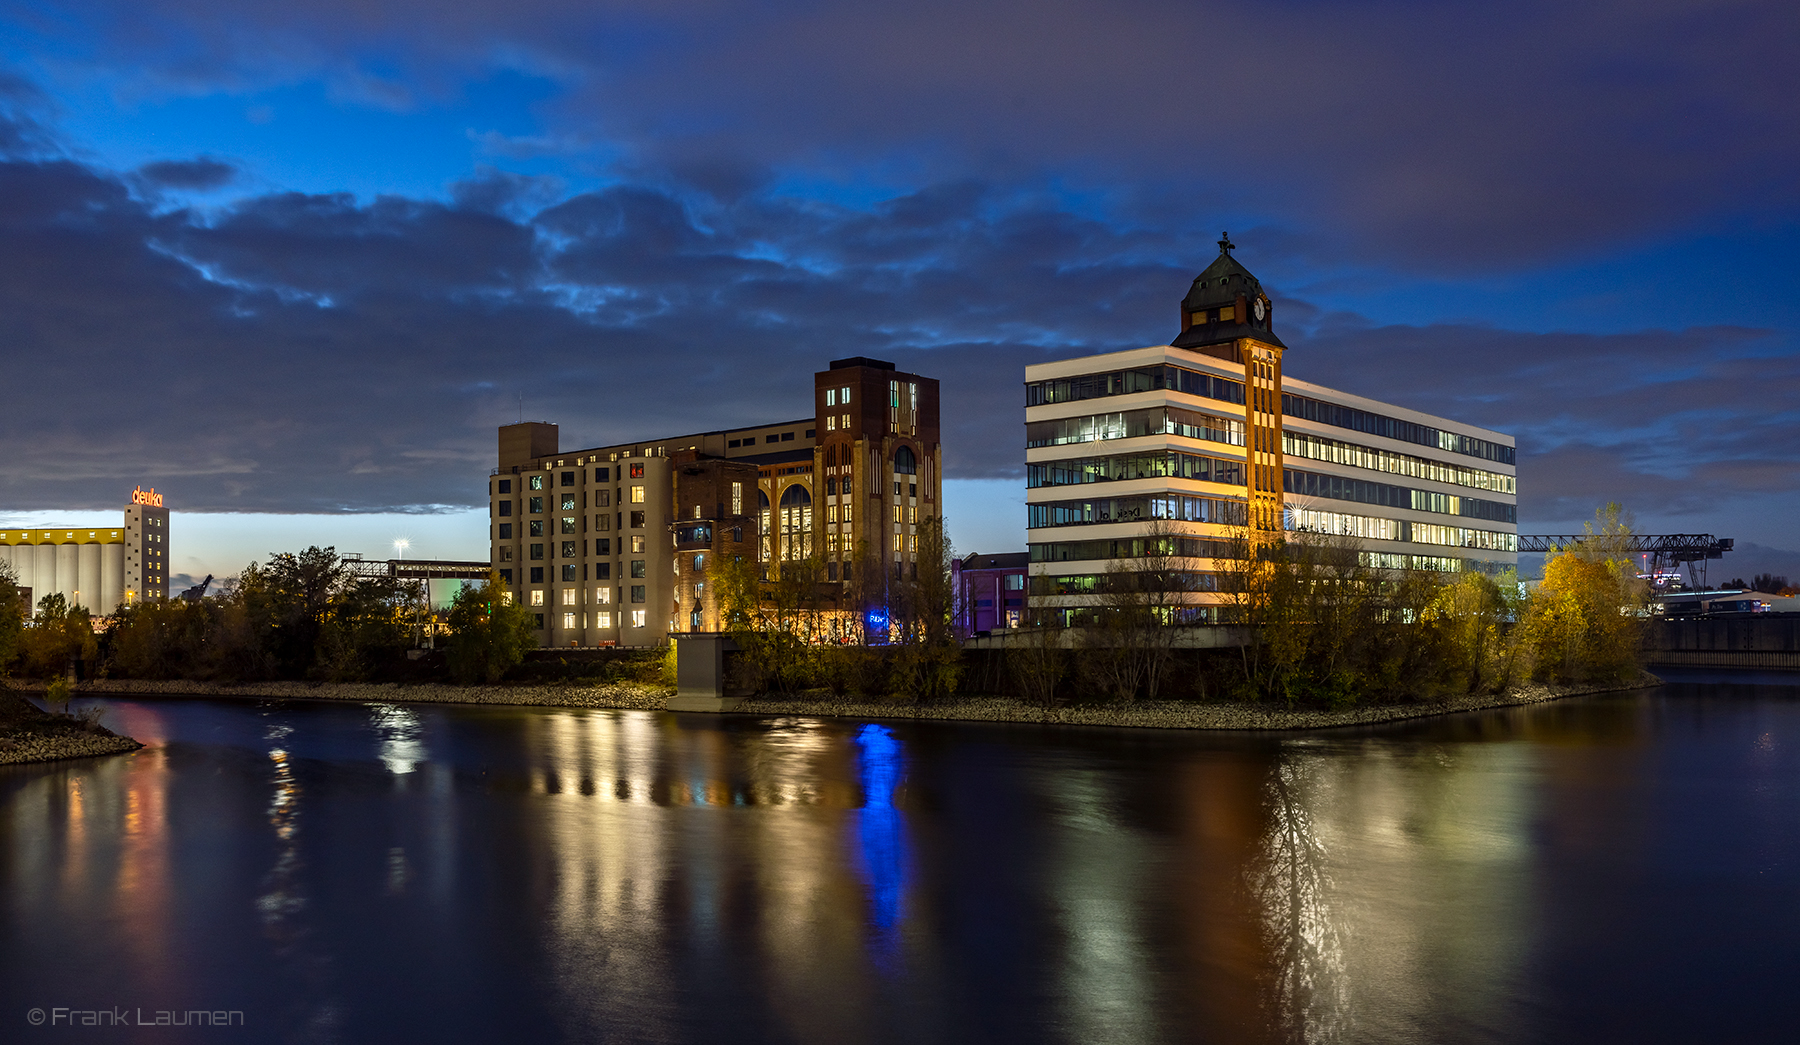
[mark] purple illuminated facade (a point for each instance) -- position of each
(990, 590)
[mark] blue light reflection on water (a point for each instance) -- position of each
(881, 827)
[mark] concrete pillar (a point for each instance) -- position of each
(87, 578)
(112, 577)
(68, 571)
(46, 574)
(700, 672)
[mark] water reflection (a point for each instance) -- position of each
(407, 873)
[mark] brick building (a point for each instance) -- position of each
(619, 544)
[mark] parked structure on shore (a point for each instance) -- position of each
(97, 568)
(1172, 452)
(619, 544)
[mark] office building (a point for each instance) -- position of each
(990, 590)
(1178, 449)
(100, 568)
(619, 544)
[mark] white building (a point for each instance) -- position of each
(1195, 440)
(101, 568)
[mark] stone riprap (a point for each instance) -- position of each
(637, 697)
(17, 747)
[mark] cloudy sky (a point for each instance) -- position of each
(291, 264)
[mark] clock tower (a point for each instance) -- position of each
(1227, 315)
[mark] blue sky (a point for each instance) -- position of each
(309, 257)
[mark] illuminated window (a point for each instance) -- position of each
(568, 596)
(603, 620)
(602, 596)
(637, 520)
(506, 598)
(568, 620)
(537, 527)
(737, 498)
(637, 471)
(831, 511)
(831, 423)
(637, 545)
(568, 502)
(699, 563)
(844, 397)
(637, 618)
(831, 397)
(506, 553)
(846, 510)
(537, 596)
(796, 523)
(537, 482)
(897, 540)
(637, 495)
(568, 524)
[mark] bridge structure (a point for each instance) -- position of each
(1663, 553)
(417, 569)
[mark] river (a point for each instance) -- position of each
(1610, 868)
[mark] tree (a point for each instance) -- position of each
(489, 633)
(1585, 620)
(1143, 599)
(58, 635)
(928, 664)
(12, 619)
(1770, 583)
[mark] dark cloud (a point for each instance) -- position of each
(1456, 136)
(200, 173)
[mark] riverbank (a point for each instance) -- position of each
(637, 697)
(30, 734)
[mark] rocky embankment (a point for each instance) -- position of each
(638, 697)
(30, 734)
(1176, 714)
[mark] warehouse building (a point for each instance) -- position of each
(99, 568)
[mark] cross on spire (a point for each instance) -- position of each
(1225, 244)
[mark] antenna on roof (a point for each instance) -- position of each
(1225, 244)
(521, 408)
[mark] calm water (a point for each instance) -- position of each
(1618, 868)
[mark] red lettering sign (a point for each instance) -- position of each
(149, 498)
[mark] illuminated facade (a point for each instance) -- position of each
(618, 545)
(100, 568)
(1172, 451)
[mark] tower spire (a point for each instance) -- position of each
(1225, 244)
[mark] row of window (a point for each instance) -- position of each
(1125, 382)
(1155, 464)
(601, 475)
(1096, 583)
(1131, 548)
(772, 437)
(1132, 424)
(1367, 528)
(1393, 428)
(1300, 444)
(1363, 491)
(1137, 509)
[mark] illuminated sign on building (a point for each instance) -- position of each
(149, 498)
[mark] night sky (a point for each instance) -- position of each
(298, 260)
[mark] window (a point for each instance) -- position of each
(568, 478)
(845, 511)
(601, 475)
(637, 618)
(696, 511)
(568, 549)
(637, 545)
(737, 498)
(831, 511)
(912, 515)
(1015, 582)
(602, 522)
(637, 593)
(536, 482)
(537, 575)
(771, 438)
(787, 437)
(505, 530)
(539, 619)
(737, 535)
(506, 596)
(537, 527)
(568, 572)
(537, 551)
(603, 620)
(897, 511)
(537, 506)
(505, 486)
(537, 596)
(734, 444)
(699, 589)
(568, 502)
(699, 562)
(831, 397)
(569, 620)
(912, 546)
(603, 498)
(844, 398)
(694, 621)
(506, 553)
(796, 523)
(811, 432)
(569, 595)
(637, 471)
(637, 520)
(568, 524)
(637, 567)
(505, 507)
(603, 546)
(602, 571)
(844, 422)
(602, 596)
(897, 540)
(905, 463)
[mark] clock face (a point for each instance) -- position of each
(1260, 310)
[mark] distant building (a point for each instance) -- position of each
(619, 544)
(990, 590)
(100, 568)
(1174, 449)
